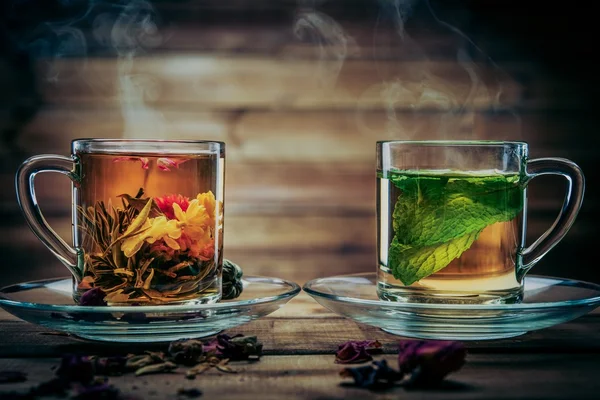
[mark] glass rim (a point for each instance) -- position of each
(151, 146)
(455, 142)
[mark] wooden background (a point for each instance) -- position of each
(299, 91)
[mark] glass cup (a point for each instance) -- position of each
(452, 219)
(147, 219)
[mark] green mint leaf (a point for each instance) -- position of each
(435, 209)
(445, 212)
(410, 264)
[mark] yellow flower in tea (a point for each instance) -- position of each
(209, 202)
(152, 230)
(194, 220)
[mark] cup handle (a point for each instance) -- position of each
(26, 198)
(570, 208)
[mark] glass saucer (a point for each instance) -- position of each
(547, 301)
(49, 303)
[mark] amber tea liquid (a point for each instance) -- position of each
(151, 227)
(449, 237)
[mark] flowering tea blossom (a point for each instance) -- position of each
(194, 222)
(165, 204)
(153, 249)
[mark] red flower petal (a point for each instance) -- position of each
(354, 352)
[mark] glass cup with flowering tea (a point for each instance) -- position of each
(147, 219)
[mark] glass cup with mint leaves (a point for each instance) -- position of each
(452, 219)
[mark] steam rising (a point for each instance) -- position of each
(332, 42)
(135, 30)
(408, 85)
(125, 28)
(447, 105)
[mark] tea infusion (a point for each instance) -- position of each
(151, 227)
(450, 232)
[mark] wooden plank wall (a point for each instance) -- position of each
(300, 92)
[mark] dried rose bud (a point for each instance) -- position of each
(93, 297)
(186, 351)
(430, 361)
(356, 352)
(238, 347)
(375, 376)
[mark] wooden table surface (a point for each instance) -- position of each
(300, 339)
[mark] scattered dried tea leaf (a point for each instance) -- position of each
(200, 369)
(12, 376)
(429, 361)
(222, 366)
(186, 351)
(235, 348)
(378, 375)
(356, 352)
(167, 366)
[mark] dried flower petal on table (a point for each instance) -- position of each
(378, 375)
(355, 352)
(429, 361)
(75, 368)
(93, 297)
(12, 376)
(235, 348)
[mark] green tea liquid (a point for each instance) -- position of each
(447, 236)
